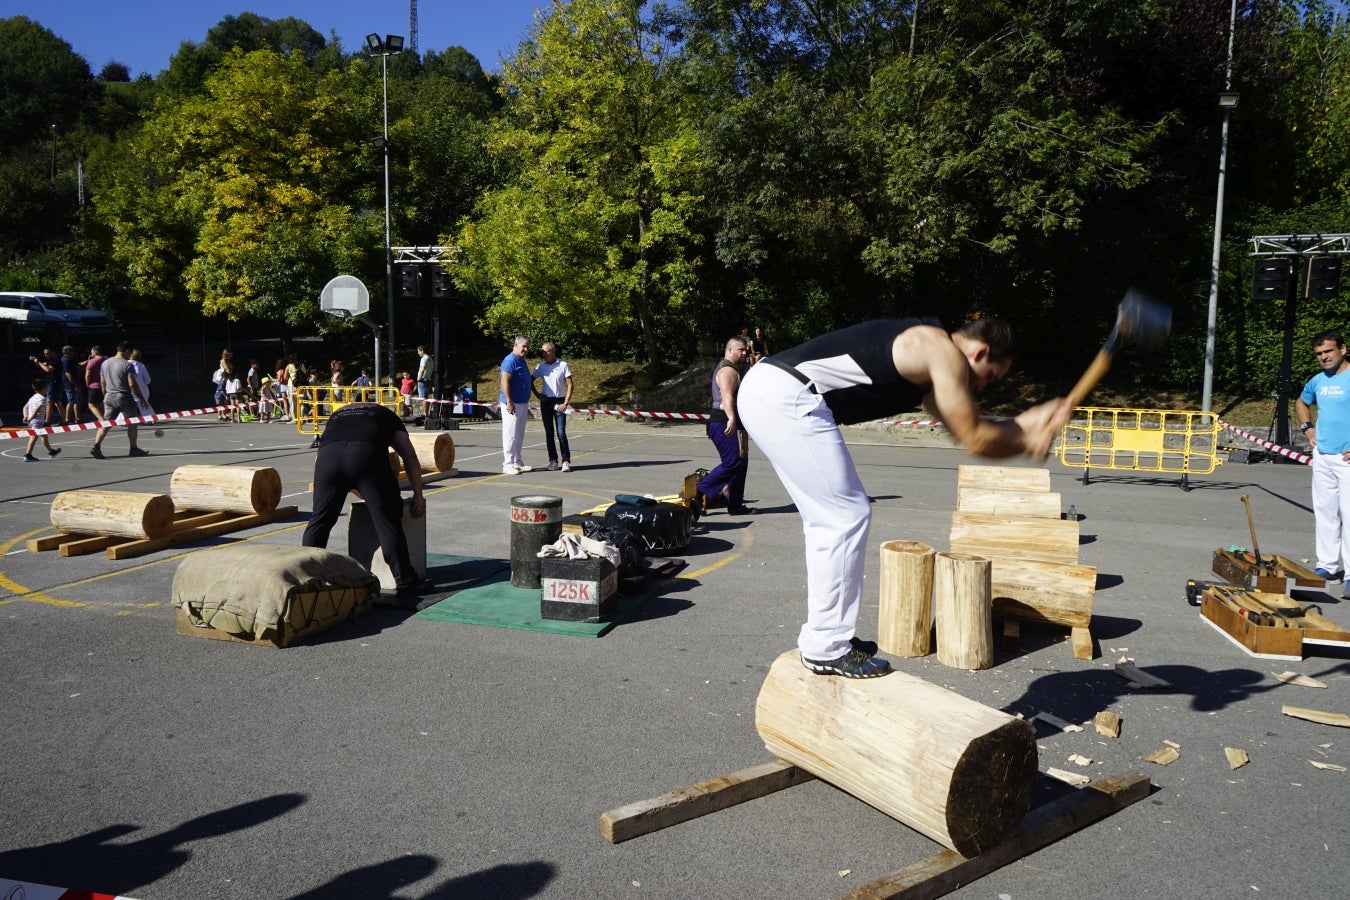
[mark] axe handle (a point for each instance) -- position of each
(1251, 526)
(1100, 365)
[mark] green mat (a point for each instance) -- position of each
(498, 603)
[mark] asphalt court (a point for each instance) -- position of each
(402, 757)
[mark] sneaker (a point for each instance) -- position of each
(1329, 576)
(567, 467)
(53, 451)
(137, 451)
(96, 453)
(510, 470)
(524, 468)
(853, 664)
(868, 647)
(28, 457)
(552, 466)
(741, 510)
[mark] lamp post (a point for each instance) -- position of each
(1227, 101)
(384, 47)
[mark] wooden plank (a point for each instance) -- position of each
(997, 537)
(192, 533)
(50, 542)
(947, 871)
(1081, 640)
(1340, 720)
(1003, 478)
(989, 502)
(646, 816)
(78, 546)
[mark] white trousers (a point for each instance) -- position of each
(795, 430)
(1331, 510)
(513, 434)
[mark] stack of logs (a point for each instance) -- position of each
(1011, 557)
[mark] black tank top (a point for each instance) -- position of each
(852, 369)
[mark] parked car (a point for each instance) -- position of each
(53, 319)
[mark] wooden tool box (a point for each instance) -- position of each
(1268, 625)
(1274, 574)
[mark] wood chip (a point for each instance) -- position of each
(1108, 723)
(1132, 673)
(1300, 680)
(1340, 720)
(1331, 766)
(1072, 778)
(1164, 757)
(1061, 724)
(1079, 760)
(1173, 744)
(1237, 757)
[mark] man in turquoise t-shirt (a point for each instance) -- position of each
(515, 405)
(1330, 439)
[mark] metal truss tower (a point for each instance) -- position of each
(412, 25)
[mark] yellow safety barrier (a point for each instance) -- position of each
(1142, 440)
(315, 403)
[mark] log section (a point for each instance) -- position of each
(948, 767)
(963, 610)
(1003, 478)
(435, 452)
(113, 513)
(986, 502)
(905, 622)
(1037, 591)
(248, 490)
(1054, 540)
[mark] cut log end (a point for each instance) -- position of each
(991, 788)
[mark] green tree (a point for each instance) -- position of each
(591, 233)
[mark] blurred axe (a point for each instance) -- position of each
(1140, 318)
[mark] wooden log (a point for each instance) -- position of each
(435, 452)
(248, 490)
(905, 622)
(1053, 540)
(953, 769)
(963, 611)
(988, 502)
(1003, 478)
(1033, 590)
(117, 513)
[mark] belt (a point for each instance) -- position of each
(791, 370)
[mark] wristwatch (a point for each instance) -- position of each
(1305, 426)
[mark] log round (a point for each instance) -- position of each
(905, 622)
(116, 513)
(435, 452)
(247, 490)
(953, 769)
(963, 610)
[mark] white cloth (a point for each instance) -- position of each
(797, 433)
(1331, 510)
(513, 434)
(577, 546)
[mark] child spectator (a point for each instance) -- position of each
(35, 416)
(233, 391)
(269, 399)
(407, 384)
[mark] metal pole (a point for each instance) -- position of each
(388, 239)
(1207, 394)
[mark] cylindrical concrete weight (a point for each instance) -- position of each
(536, 521)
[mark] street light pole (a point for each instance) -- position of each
(1227, 100)
(391, 43)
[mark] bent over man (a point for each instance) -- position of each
(792, 404)
(354, 453)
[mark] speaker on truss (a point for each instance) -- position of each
(1324, 277)
(440, 282)
(1271, 278)
(409, 280)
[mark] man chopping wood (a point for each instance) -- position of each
(354, 453)
(792, 403)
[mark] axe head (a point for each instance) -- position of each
(1142, 319)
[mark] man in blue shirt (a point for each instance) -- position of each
(1330, 439)
(515, 405)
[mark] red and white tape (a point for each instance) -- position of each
(1283, 451)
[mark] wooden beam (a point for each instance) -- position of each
(997, 537)
(988, 502)
(947, 871)
(1003, 478)
(700, 799)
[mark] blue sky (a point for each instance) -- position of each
(144, 34)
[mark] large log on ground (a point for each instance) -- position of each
(1017, 537)
(1036, 591)
(989, 502)
(435, 452)
(1003, 478)
(963, 611)
(248, 490)
(953, 769)
(905, 622)
(117, 513)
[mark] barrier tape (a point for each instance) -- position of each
(12, 433)
(1282, 451)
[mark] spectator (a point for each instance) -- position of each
(727, 481)
(426, 375)
(406, 385)
(143, 379)
(121, 394)
(1329, 391)
(50, 365)
(514, 400)
(93, 380)
(555, 395)
(34, 416)
(72, 385)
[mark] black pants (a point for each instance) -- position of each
(344, 465)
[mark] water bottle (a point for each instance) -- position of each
(1072, 514)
